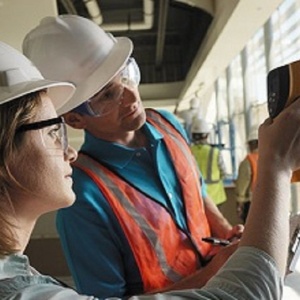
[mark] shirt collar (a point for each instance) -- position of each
(14, 265)
(115, 154)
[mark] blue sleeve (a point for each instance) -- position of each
(95, 247)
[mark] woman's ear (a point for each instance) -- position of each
(75, 120)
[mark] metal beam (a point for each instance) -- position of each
(161, 31)
(69, 7)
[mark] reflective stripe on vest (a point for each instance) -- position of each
(189, 178)
(148, 226)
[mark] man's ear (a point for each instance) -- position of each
(75, 120)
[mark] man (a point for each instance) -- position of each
(133, 229)
(209, 160)
(247, 175)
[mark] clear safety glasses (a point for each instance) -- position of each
(105, 101)
(54, 135)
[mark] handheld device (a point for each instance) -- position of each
(216, 241)
(294, 246)
(283, 87)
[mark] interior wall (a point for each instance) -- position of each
(17, 17)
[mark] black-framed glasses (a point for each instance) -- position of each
(56, 134)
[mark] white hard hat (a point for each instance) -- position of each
(200, 126)
(18, 77)
(75, 49)
(253, 135)
(194, 103)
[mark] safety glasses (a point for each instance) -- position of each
(110, 97)
(54, 136)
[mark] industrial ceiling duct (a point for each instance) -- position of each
(94, 11)
(96, 15)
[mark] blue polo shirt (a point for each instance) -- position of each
(98, 254)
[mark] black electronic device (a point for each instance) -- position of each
(294, 247)
(216, 241)
(283, 87)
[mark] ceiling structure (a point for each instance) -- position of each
(181, 46)
(166, 34)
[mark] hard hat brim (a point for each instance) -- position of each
(59, 92)
(103, 74)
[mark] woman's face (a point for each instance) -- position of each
(42, 168)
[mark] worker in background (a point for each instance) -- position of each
(209, 160)
(188, 115)
(247, 176)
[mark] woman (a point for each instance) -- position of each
(35, 179)
(35, 175)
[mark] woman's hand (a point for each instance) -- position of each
(281, 136)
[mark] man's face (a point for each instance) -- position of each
(128, 114)
(115, 110)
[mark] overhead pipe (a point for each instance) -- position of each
(94, 11)
(148, 13)
(69, 7)
(161, 31)
(96, 15)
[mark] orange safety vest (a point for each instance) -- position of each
(164, 253)
(296, 176)
(253, 158)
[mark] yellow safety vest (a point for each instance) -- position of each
(207, 158)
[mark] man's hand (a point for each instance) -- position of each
(235, 233)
